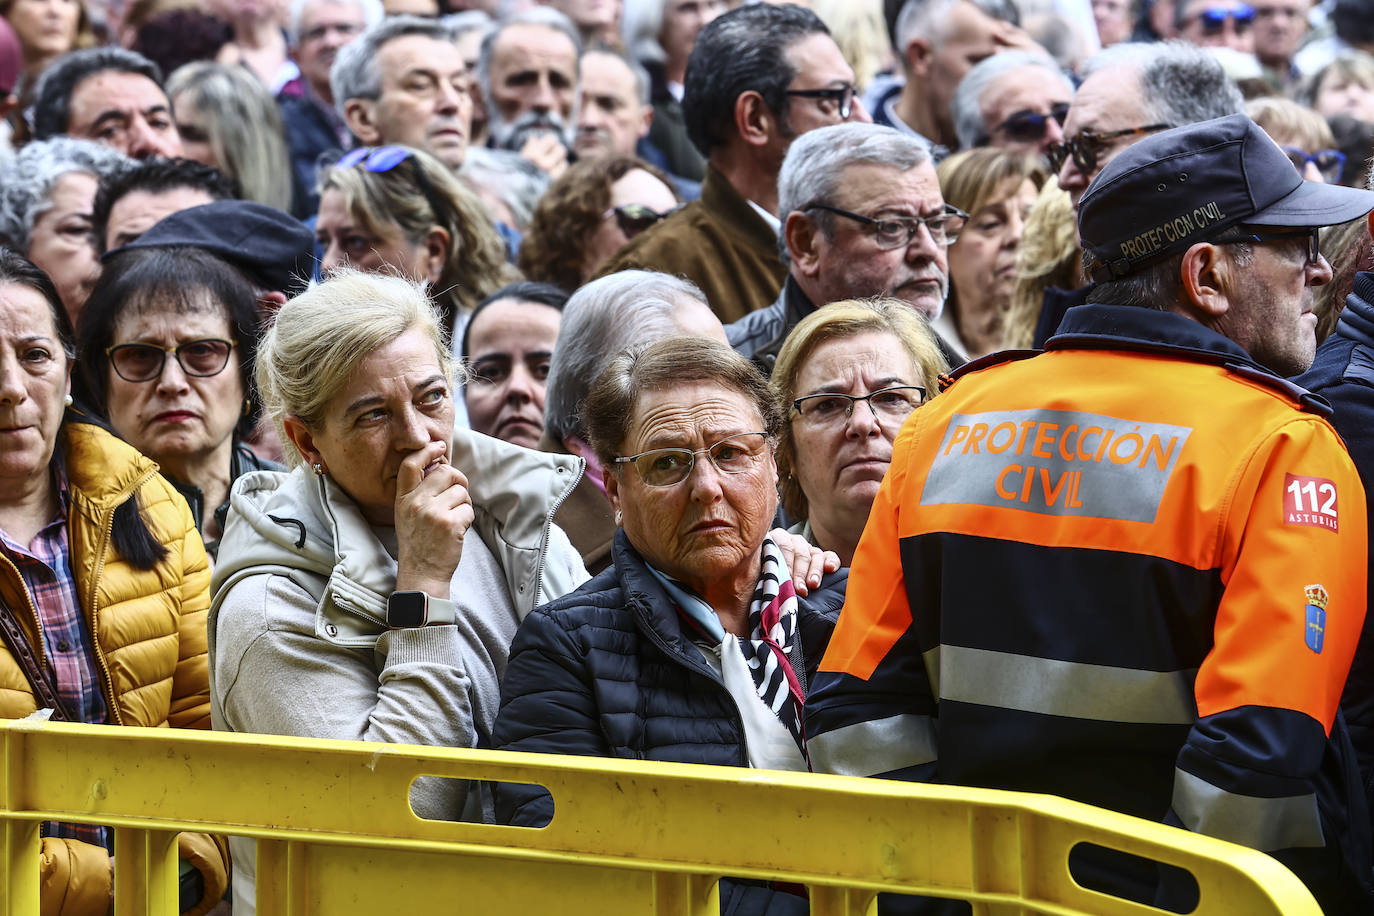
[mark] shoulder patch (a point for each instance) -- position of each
(1310, 501)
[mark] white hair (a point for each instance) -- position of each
(372, 14)
(602, 318)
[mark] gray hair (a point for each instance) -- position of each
(1179, 83)
(641, 24)
(468, 21)
(816, 162)
(299, 370)
(27, 181)
(355, 74)
(602, 318)
(372, 14)
(546, 16)
(509, 176)
(968, 98)
(641, 76)
(928, 19)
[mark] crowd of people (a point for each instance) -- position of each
(960, 391)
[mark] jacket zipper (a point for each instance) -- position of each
(103, 549)
(37, 621)
(678, 657)
(548, 532)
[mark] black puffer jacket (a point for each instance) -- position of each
(607, 671)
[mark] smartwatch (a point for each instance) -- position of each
(417, 609)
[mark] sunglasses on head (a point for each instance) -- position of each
(635, 218)
(1086, 146)
(1029, 126)
(380, 159)
(1329, 162)
(1213, 18)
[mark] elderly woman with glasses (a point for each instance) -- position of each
(847, 377)
(589, 214)
(168, 339)
(694, 647)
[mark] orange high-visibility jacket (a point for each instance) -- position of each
(1130, 570)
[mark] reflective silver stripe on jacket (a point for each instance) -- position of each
(870, 748)
(1072, 689)
(1265, 824)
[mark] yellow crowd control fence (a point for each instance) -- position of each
(336, 834)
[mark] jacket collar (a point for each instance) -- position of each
(103, 468)
(1144, 330)
(1357, 318)
(719, 197)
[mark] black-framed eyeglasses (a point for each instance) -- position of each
(1329, 162)
(1213, 18)
(379, 159)
(137, 362)
(891, 405)
(666, 467)
(1267, 234)
(1029, 126)
(842, 96)
(1086, 146)
(896, 231)
(635, 218)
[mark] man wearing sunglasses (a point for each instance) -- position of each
(1015, 100)
(1132, 570)
(1217, 24)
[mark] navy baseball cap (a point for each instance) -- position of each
(1187, 185)
(274, 249)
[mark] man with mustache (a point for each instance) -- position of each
(528, 74)
(862, 216)
(403, 81)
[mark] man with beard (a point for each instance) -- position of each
(862, 216)
(403, 81)
(528, 74)
(1131, 570)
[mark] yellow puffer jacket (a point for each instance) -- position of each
(150, 648)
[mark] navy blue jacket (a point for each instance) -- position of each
(607, 671)
(1343, 374)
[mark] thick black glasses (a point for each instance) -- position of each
(380, 159)
(842, 96)
(1214, 18)
(895, 231)
(137, 362)
(1086, 146)
(1029, 126)
(666, 467)
(1329, 162)
(1263, 234)
(635, 218)
(890, 406)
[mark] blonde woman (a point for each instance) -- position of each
(1048, 260)
(833, 450)
(394, 209)
(228, 121)
(371, 593)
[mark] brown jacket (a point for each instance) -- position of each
(149, 636)
(719, 243)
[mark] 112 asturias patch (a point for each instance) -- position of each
(1310, 501)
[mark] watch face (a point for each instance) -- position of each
(406, 609)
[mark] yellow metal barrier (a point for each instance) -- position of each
(337, 836)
